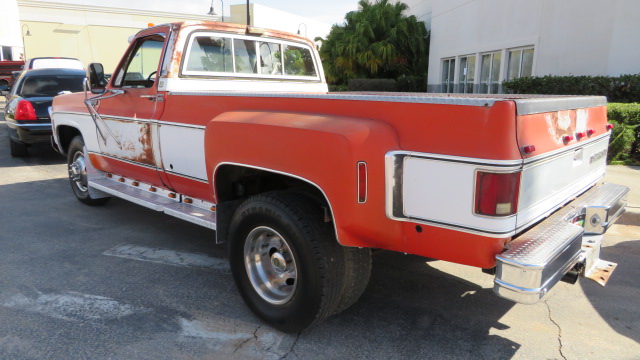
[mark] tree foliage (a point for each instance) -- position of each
(377, 41)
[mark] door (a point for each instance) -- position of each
(130, 118)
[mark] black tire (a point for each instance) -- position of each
(18, 149)
(76, 166)
(357, 271)
(312, 258)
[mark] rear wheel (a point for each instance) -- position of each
(77, 166)
(285, 260)
(18, 149)
(357, 270)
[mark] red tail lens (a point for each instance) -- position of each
(362, 182)
(567, 138)
(25, 111)
(581, 134)
(610, 126)
(497, 193)
(591, 132)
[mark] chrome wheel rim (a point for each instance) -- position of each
(270, 265)
(78, 171)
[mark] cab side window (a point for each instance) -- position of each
(142, 63)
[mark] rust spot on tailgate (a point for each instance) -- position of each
(561, 123)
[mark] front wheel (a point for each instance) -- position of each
(77, 167)
(285, 260)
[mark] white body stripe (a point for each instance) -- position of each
(443, 192)
(241, 85)
(182, 150)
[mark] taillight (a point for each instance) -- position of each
(362, 182)
(497, 193)
(25, 111)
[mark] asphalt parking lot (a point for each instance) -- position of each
(124, 282)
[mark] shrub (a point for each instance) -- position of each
(624, 147)
(412, 83)
(373, 85)
(625, 88)
(338, 88)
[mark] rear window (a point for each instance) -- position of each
(55, 63)
(50, 85)
(243, 56)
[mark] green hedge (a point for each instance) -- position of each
(624, 148)
(388, 85)
(403, 84)
(625, 88)
(412, 83)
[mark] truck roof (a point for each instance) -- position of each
(235, 29)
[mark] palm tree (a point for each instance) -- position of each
(377, 41)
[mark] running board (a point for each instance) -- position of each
(192, 210)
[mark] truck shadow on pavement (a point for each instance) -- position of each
(412, 310)
(617, 303)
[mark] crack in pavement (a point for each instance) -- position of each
(292, 346)
(255, 337)
(559, 330)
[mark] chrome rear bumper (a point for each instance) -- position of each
(568, 240)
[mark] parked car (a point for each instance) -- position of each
(53, 62)
(28, 103)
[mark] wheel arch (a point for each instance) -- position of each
(64, 135)
(229, 176)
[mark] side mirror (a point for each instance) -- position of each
(97, 81)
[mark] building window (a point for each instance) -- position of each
(467, 74)
(520, 63)
(490, 72)
(5, 54)
(448, 71)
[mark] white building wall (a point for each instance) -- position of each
(569, 37)
(10, 29)
(421, 9)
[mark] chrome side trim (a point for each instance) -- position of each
(215, 171)
(459, 159)
(134, 119)
(559, 152)
(199, 127)
(205, 181)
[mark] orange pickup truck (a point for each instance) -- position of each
(232, 128)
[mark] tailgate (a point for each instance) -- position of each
(564, 141)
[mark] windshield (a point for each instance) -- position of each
(50, 85)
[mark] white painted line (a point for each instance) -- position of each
(24, 174)
(167, 257)
(71, 306)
